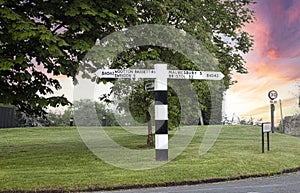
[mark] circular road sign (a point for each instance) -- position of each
(272, 94)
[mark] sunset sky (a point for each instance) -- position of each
(274, 63)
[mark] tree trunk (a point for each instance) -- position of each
(150, 136)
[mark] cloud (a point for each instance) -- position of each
(276, 34)
(283, 70)
(293, 13)
(277, 28)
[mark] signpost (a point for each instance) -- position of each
(266, 128)
(161, 74)
(151, 73)
(272, 96)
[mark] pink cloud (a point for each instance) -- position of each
(293, 13)
(261, 34)
(276, 34)
(288, 72)
(277, 31)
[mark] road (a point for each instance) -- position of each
(288, 183)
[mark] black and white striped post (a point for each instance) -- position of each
(161, 112)
(161, 75)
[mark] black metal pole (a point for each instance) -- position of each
(262, 139)
(268, 141)
(272, 117)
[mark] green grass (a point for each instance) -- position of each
(56, 158)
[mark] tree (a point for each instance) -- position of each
(59, 119)
(83, 108)
(44, 39)
(218, 24)
(139, 103)
(40, 40)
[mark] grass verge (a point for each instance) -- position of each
(48, 159)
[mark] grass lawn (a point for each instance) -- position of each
(55, 158)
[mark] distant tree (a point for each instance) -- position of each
(83, 109)
(27, 120)
(59, 119)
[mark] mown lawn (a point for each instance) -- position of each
(56, 158)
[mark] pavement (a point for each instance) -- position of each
(287, 183)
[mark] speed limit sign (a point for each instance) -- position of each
(272, 94)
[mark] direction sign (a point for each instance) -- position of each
(126, 73)
(272, 94)
(199, 75)
(151, 73)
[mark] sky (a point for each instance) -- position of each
(273, 64)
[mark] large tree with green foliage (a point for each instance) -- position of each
(40, 40)
(44, 39)
(218, 25)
